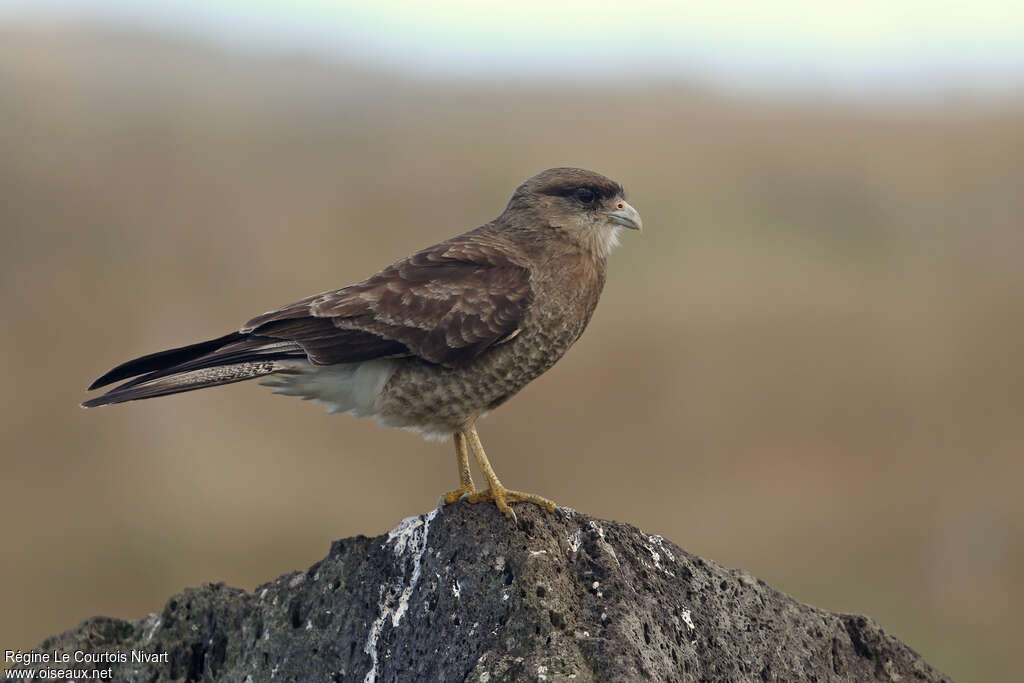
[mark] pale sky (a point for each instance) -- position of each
(838, 44)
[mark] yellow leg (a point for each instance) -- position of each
(495, 491)
(465, 476)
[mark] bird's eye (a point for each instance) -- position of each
(585, 195)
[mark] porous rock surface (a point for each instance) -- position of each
(463, 594)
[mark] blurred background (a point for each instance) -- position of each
(808, 365)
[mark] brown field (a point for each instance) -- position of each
(808, 365)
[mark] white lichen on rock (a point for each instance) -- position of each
(575, 540)
(605, 545)
(408, 542)
(688, 620)
(658, 540)
(655, 555)
(151, 628)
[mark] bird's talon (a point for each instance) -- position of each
(457, 495)
(503, 496)
(503, 504)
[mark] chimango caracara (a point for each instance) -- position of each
(433, 342)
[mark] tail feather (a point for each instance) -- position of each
(232, 358)
(249, 349)
(163, 359)
(186, 381)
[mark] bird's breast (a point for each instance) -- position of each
(432, 397)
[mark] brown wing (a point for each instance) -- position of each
(446, 304)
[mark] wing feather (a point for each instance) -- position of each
(446, 304)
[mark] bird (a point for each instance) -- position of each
(434, 341)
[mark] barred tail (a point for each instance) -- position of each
(232, 358)
(186, 381)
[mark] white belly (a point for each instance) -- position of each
(351, 388)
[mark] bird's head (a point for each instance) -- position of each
(583, 206)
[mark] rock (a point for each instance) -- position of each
(463, 594)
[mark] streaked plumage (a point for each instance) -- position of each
(435, 340)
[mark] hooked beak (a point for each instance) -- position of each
(626, 216)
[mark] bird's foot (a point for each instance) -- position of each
(457, 495)
(503, 496)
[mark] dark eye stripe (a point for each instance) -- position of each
(586, 195)
(577, 190)
(569, 189)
